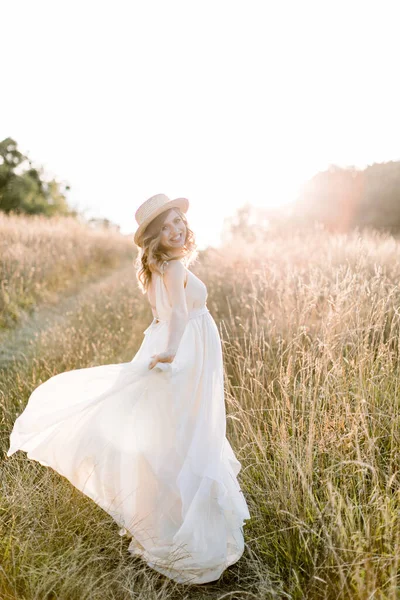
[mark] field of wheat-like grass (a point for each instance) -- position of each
(310, 328)
(41, 257)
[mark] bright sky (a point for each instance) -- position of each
(221, 101)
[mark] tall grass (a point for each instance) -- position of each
(311, 344)
(42, 256)
(310, 329)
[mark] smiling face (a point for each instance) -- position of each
(173, 231)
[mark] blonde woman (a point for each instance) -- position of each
(146, 439)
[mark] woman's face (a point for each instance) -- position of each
(173, 231)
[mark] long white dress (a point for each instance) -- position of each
(149, 445)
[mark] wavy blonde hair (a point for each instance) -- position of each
(151, 256)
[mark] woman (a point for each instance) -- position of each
(146, 439)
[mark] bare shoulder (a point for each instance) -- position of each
(174, 271)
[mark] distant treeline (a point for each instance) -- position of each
(340, 199)
(345, 198)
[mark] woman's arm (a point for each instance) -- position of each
(174, 279)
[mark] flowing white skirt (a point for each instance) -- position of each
(149, 447)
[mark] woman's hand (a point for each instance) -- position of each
(164, 357)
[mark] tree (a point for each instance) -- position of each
(344, 198)
(23, 187)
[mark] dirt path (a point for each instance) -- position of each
(17, 343)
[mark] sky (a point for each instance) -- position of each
(222, 102)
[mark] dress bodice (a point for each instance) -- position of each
(195, 290)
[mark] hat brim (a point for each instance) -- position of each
(181, 203)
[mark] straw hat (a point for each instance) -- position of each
(153, 207)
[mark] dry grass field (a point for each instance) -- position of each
(310, 329)
(42, 257)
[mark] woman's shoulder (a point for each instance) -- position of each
(174, 263)
(175, 271)
(173, 266)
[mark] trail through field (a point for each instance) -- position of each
(19, 343)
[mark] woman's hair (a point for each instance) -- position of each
(151, 256)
